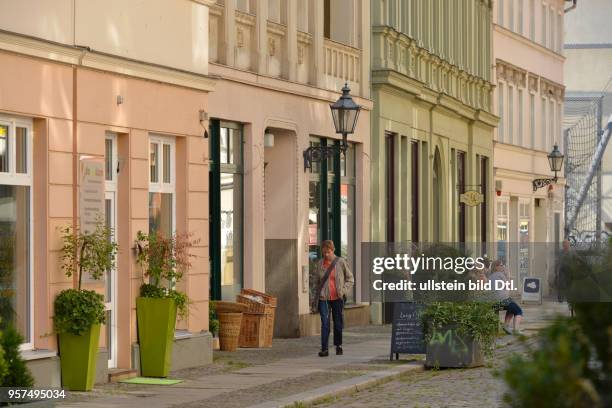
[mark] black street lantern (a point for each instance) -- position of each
(555, 161)
(344, 113)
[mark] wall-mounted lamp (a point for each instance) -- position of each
(555, 161)
(269, 139)
(499, 185)
(204, 122)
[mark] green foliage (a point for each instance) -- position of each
(213, 322)
(3, 362)
(554, 374)
(16, 373)
(572, 365)
(77, 310)
(92, 253)
(477, 320)
(165, 261)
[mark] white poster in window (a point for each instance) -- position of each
(91, 192)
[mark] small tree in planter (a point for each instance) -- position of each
(78, 312)
(459, 331)
(165, 260)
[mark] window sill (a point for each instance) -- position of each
(182, 334)
(29, 355)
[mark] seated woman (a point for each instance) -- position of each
(513, 310)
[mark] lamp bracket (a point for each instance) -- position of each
(317, 154)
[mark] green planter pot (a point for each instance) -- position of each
(78, 356)
(156, 323)
(448, 349)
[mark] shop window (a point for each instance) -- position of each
(226, 210)
(16, 226)
(162, 187)
(524, 218)
(502, 231)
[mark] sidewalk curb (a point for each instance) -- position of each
(342, 388)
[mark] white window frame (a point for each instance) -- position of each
(160, 186)
(23, 179)
(532, 119)
(500, 111)
(521, 118)
(111, 191)
(511, 138)
(500, 12)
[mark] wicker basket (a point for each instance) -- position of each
(229, 330)
(253, 330)
(267, 299)
(229, 307)
(253, 306)
(269, 326)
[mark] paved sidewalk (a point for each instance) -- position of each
(289, 372)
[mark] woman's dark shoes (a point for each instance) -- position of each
(339, 351)
(323, 353)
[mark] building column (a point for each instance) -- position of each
(292, 28)
(318, 43)
(261, 36)
(364, 44)
(229, 33)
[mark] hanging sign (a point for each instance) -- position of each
(471, 198)
(91, 192)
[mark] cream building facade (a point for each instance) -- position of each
(278, 65)
(528, 98)
(432, 124)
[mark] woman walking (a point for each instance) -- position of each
(333, 281)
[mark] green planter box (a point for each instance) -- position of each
(78, 356)
(156, 323)
(449, 349)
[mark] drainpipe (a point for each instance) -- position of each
(75, 151)
(570, 8)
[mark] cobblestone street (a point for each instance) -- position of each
(476, 387)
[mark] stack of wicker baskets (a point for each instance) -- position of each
(258, 320)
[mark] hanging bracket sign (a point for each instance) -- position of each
(471, 198)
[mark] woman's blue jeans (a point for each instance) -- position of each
(336, 307)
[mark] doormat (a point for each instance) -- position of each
(151, 381)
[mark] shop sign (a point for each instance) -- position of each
(471, 198)
(91, 193)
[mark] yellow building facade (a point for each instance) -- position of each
(432, 126)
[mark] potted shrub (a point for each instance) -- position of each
(213, 324)
(165, 260)
(78, 312)
(459, 334)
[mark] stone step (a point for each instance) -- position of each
(118, 374)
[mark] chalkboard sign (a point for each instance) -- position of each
(407, 334)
